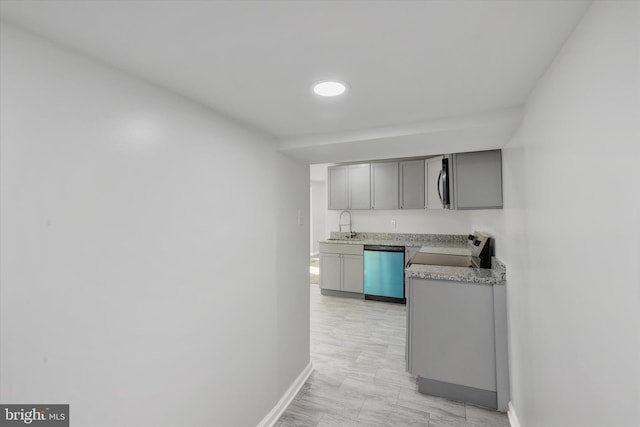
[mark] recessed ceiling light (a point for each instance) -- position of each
(329, 88)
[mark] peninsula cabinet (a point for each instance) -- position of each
(457, 340)
(349, 186)
(384, 185)
(452, 333)
(342, 267)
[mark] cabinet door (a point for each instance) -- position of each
(359, 186)
(412, 184)
(452, 333)
(433, 184)
(337, 186)
(330, 271)
(352, 273)
(477, 180)
(384, 185)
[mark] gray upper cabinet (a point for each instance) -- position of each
(384, 185)
(359, 184)
(432, 183)
(477, 180)
(337, 177)
(349, 187)
(412, 184)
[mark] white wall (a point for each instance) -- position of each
(571, 231)
(318, 213)
(292, 270)
(475, 132)
(150, 273)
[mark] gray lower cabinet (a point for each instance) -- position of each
(331, 271)
(453, 340)
(477, 180)
(412, 184)
(341, 267)
(384, 185)
(353, 273)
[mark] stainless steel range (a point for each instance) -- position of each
(476, 253)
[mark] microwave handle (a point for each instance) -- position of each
(445, 184)
(439, 192)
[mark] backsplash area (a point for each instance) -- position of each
(423, 222)
(418, 221)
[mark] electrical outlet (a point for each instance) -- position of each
(393, 224)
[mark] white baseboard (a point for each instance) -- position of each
(513, 418)
(270, 419)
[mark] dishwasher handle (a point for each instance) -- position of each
(381, 248)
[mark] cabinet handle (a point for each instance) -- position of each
(439, 192)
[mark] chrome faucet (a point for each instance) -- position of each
(340, 224)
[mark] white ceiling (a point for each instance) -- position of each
(406, 62)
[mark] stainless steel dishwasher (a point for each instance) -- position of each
(384, 273)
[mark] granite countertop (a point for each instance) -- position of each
(487, 276)
(356, 241)
(452, 241)
(451, 244)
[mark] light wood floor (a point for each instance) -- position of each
(314, 270)
(357, 351)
